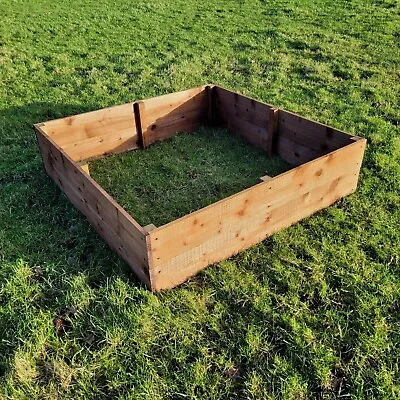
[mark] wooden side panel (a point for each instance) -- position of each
(110, 220)
(187, 245)
(96, 133)
(164, 116)
(244, 116)
(301, 140)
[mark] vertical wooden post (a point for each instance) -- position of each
(138, 112)
(210, 90)
(272, 130)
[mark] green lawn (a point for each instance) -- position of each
(183, 174)
(312, 312)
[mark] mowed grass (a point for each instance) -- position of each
(183, 174)
(312, 312)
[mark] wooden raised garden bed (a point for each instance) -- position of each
(326, 165)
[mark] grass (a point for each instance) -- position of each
(312, 312)
(182, 174)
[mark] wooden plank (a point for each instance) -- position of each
(138, 111)
(271, 193)
(307, 133)
(173, 120)
(168, 102)
(272, 130)
(254, 134)
(95, 133)
(242, 107)
(101, 145)
(185, 246)
(87, 125)
(295, 153)
(113, 223)
(185, 264)
(247, 117)
(105, 219)
(165, 128)
(166, 115)
(313, 129)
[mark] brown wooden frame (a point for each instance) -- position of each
(327, 165)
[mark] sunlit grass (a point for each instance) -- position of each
(182, 174)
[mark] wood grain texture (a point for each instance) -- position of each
(110, 220)
(301, 140)
(244, 116)
(96, 133)
(254, 134)
(164, 116)
(185, 246)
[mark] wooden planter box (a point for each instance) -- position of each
(326, 167)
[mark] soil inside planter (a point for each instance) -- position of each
(183, 173)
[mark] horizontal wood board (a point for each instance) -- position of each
(95, 133)
(185, 246)
(164, 116)
(244, 116)
(110, 220)
(301, 140)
